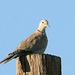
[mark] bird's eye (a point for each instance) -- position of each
(42, 22)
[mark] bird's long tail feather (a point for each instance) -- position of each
(14, 55)
(9, 57)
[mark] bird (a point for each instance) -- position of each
(35, 43)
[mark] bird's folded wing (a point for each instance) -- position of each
(33, 43)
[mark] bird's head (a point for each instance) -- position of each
(42, 25)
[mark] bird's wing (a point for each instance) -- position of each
(36, 41)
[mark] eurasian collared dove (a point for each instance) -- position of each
(36, 43)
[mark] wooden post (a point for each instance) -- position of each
(38, 64)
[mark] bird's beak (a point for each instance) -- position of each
(48, 25)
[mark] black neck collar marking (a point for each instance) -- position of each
(40, 31)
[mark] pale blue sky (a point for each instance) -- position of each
(20, 18)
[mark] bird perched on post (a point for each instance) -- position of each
(36, 43)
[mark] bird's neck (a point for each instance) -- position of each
(42, 29)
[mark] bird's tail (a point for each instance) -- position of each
(8, 58)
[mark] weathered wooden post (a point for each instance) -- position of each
(38, 64)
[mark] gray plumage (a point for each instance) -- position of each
(36, 43)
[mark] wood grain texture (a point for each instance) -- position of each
(38, 64)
